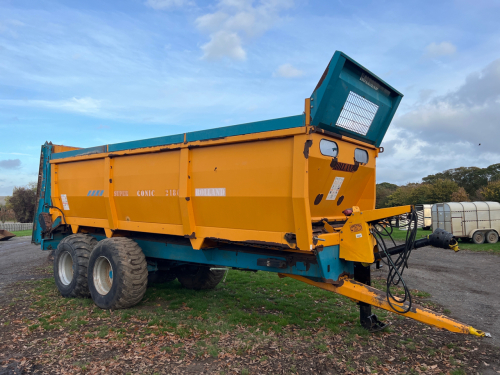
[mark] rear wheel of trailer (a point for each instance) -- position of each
(492, 236)
(118, 273)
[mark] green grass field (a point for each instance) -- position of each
(259, 300)
(400, 235)
(22, 233)
(485, 247)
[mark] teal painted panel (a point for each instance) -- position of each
(202, 135)
(249, 128)
(150, 142)
(327, 267)
(350, 100)
(81, 151)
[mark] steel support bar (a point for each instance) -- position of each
(367, 294)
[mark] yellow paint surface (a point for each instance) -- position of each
(258, 187)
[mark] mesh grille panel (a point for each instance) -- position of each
(357, 114)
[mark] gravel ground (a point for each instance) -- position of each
(467, 283)
(18, 258)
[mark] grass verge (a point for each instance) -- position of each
(22, 233)
(493, 248)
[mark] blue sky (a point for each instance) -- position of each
(85, 73)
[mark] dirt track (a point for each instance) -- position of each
(467, 283)
(18, 257)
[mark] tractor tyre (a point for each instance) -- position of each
(492, 236)
(478, 238)
(71, 259)
(160, 277)
(118, 273)
(199, 277)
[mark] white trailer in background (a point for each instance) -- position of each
(424, 219)
(479, 221)
(424, 214)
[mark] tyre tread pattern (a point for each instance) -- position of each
(492, 237)
(83, 244)
(134, 280)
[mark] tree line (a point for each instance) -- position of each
(464, 184)
(20, 206)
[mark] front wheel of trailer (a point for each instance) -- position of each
(118, 273)
(71, 260)
(478, 238)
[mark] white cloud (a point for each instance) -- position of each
(458, 129)
(434, 50)
(287, 71)
(224, 43)
(235, 22)
(165, 4)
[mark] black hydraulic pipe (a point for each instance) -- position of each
(440, 238)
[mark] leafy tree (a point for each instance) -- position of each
(403, 195)
(419, 194)
(493, 172)
(471, 179)
(6, 214)
(442, 190)
(22, 202)
(460, 196)
(422, 193)
(384, 190)
(491, 192)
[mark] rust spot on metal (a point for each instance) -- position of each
(164, 148)
(336, 165)
(325, 73)
(192, 236)
(318, 199)
(110, 180)
(343, 276)
(187, 198)
(210, 139)
(356, 227)
(315, 129)
(45, 220)
(215, 170)
(307, 146)
(340, 200)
